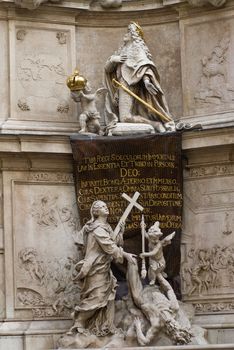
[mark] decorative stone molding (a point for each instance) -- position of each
(200, 171)
(62, 37)
(20, 34)
(32, 4)
(107, 4)
(22, 104)
(199, 3)
(51, 177)
(215, 307)
(63, 108)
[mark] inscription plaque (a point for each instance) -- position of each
(106, 167)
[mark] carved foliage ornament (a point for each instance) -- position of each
(22, 104)
(62, 37)
(20, 34)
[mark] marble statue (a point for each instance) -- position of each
(95, 311)
(160, 308)
(81, 92)
(152, 311)
(135, 95)
(157, 262)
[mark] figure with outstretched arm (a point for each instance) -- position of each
(157, 262)
(95, 310)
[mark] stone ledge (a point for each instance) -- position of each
(60, 144)
(177, 347)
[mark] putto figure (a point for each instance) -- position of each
(132, 67)
(95, 311)
(157, 262)
(81, 92)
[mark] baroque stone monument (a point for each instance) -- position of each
(189, 45)
(94, 315)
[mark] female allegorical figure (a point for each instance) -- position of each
(133, 67)
(95, 311)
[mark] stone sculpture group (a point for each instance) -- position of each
(134, 99)
(134, 103)
(152, 308)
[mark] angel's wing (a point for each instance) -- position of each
(100, 91)
(167, 239)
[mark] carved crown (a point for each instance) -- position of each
(139, 30)
(76, 81)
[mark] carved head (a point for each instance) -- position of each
(134, 28)
(155, 231)
(99, 208)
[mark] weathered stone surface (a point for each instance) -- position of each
(207, 52)
(207, 249)
(4, 87)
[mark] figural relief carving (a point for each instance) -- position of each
(49, 213)
(213, 87)
(207, 270)
(51, 283)
(41, 78)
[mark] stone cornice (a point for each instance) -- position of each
(129, 7)
(60, 145)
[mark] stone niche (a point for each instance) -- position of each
(207, 50)
(166, 57)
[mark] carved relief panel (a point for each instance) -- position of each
(207, 61)
(207, 267)
(42, 57)
(44, 255)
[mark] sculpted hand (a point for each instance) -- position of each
(122, 226)
(118, 58)
(75, 96)
(151, 88)
(143, 274)
(137, 322)
(142, 255)
(131, 258)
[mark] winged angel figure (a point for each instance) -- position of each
(90, 117)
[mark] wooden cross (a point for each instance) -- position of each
(132, 203)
